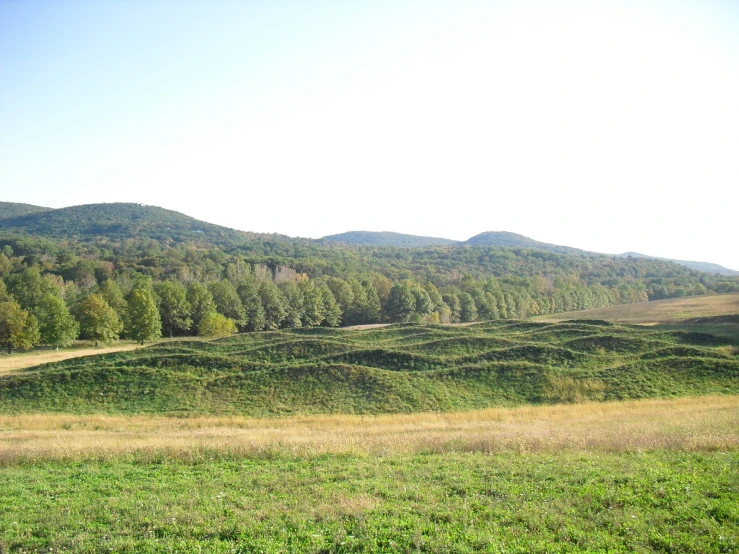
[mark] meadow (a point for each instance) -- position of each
(643, 476)
(716, 314)
(506, 436)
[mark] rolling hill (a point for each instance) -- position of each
(400, 368)
(124, 221)
(15, 209)
(514, 240)
(698, 266)
(370, 238)
(119, 221)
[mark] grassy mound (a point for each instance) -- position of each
(402, 368)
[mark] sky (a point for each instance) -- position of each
(611, 126)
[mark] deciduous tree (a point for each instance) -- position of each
(142, 316)
(98, 321)
(18, 327)
(56, 325)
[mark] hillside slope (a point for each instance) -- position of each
(514, 240)
(698, 266)
(371, 238)
(15, 209)
(401, 368)
(119, 221)
(713, 314)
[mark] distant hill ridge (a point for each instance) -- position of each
(120, 221)
(503, 239)
(698, 266)
(15, 209)
(384, 238)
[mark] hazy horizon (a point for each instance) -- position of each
(463, 239)
(607, 126)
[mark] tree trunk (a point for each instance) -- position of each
(96, 344)
(10, 348)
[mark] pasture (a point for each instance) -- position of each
(648, 476)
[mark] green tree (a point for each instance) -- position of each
(331, 308)
(56, 325)
(274, 304)
(174, 308)
(455, 309)
(228, 302)
(113, 295)
(249, 294)
(28, 287)
(294, 308)
(18, 327)
(201, 304)
(143, 321)
(467, 308)
(401, 304)
(98, 321)
(313, 303)
(216, 325)
(343, 295)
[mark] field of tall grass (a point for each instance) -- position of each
(640, 476)
(686, 424)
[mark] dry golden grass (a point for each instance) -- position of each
(697, 423)
(31, 359)
(672, 310)
(23, 360)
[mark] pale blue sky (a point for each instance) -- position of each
(605, 125)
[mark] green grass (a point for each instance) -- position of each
(456, 502)
(402, 368)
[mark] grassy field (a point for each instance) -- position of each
(401, 368)
(510, 436)
(713, 314)
(649, 476)
(690, 424)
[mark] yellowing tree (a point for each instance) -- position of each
(18, 328)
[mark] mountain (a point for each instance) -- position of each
(15, 209)
(123, 221)
(698, 266)
(514, 240)
(118, 221)
(370, 238)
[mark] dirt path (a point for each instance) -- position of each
(30, 359)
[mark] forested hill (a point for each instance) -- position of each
(185, 277)
(121, 221)
(698, 266)
(514, 240)
(15, 209)
(370, 238)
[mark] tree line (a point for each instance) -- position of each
(54, 291)
(39, 308)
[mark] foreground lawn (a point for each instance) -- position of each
(659, 501)
(647, 476)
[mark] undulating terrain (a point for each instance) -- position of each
(444, 420)
(405, 368)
